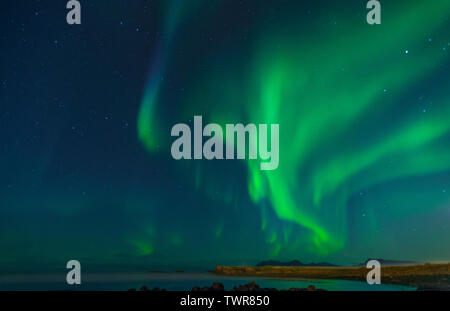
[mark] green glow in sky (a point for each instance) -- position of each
(340, 92)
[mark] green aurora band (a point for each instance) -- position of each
(338, 91)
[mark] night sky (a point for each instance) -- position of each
(86, 112)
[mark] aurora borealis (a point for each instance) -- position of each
(363, 112)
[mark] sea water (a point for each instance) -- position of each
(177, 282)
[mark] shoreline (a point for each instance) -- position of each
(421, 276)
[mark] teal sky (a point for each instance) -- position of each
(86, 113)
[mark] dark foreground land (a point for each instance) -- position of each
(421, 276)
(250, 287)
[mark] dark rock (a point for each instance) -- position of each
(250, 287)
(216, 286)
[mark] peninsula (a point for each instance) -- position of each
(426, 276)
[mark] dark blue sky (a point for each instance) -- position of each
(77, 181)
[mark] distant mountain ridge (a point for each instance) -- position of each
(294, 263)
(388, 262)
(297, 263)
